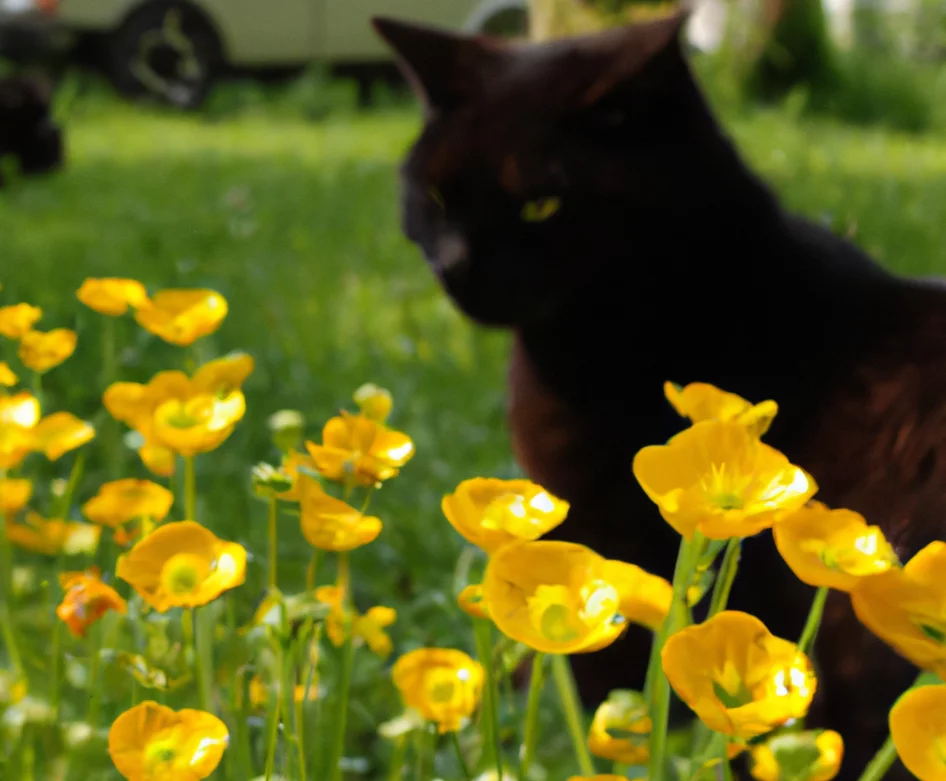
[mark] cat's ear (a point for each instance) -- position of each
(623, 53)
(444, 69)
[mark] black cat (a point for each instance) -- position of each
(581, 194)
(27, 131)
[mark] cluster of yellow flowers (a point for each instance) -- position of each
(715, 483)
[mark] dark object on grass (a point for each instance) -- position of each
(28, 135)
(581, 194)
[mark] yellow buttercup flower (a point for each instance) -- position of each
(717, 478)
(14, 494)
(178, 414)
(181, 317)
(151, 742)
(906, 608)
(491, 513)
(54, 536)
(57, 434)
(620, 729)
(44, 350)
(112, 296)
(645, 598)
(18, 319)
(121, 501)
(737, 677)
(832, 548)
(374, 402)
(701, 401)
(798, 756)
(917, 726)
(198, 424)
(182, 565)
(472, 601)
(359, 449)
(368, 627)
(557, 597)
(331, 524)
(19, 414)
(86, 600)
(442, 684)
(7, 377)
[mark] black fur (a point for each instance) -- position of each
(27, 131)
(667, 259)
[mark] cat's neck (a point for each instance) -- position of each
(734, 290)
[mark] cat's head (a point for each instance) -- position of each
(535, 158)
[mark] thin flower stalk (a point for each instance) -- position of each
(484, 650)
(812, 624)
(686, 563)
(565, 683)
(530, 736)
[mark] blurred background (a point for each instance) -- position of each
(252, 147)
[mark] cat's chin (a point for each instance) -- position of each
(495, 313)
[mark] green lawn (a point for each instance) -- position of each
(296, 224)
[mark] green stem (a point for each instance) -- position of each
(95, 644)
(725, 577)
(313, 666)
(38, 388)
(54, 672)
(396, 768)
(241, 706)
(880, 764)
(420, 750)
(78, 466)
(887, 754)
(6, 592)
(686, 560)
(203, 661)
(810, 632)
(287, 692)
(312, 571)
(464, 768)
(300, 719)
(484, 649)
(190, 651)
(110, 375)
(190, 489)
(273, 515)
(273, 736)
(568, 694)
(348, 655)
(531, 728)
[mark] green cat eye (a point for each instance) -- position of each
(437, 197)
(541, 209)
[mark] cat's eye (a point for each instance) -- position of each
(541, 209)
(437, 197)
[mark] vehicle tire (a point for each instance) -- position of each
(167, 50)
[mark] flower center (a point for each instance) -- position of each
(184, 572)
(441, 686)
(160, 752)
(562, 616)
(725, 489)
(190, 414)
(730, 689)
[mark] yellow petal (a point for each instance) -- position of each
(917, 726)
(44, 350)
(112, 296)
(442, 684)
(182, 316)
(18, 319)
(57, 434)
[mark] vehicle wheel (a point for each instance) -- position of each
(167, 50)
(509, 23)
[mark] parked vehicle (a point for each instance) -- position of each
(176, 48)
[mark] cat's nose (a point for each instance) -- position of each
(453, 255)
